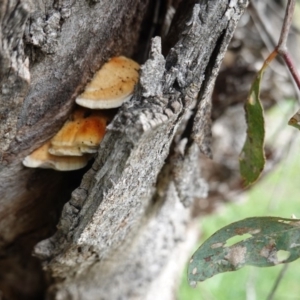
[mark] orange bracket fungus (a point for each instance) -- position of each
(82, 133)
(71, 147)
(68, 149)
(112, 85)
(41, 158)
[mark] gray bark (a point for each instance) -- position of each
(121, 233)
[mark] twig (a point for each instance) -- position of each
(270, 41)
(277, 282)
(282, 47)
(289, 62)
(287, 22)
(262, 26)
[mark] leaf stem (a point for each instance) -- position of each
(269, 59)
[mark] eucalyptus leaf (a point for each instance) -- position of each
(267, 238)
(252, 157)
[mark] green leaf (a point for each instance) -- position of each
(252, 157)
(270, 237)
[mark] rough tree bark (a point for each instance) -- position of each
(121, 231)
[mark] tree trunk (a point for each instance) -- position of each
(125, 229)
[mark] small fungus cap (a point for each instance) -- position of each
(82, 133)
(41, 158)
(112, 85)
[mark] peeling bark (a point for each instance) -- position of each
(125, 223)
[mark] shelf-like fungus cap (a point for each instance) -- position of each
(82, 133)
(41, 158)
(112, 85)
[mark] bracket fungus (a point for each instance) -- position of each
(82, 133)
(41, 158)
(71, 147)
(112, 85)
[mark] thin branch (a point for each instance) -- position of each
(287, 22)
(291, 65)
(270, 41)
(262, 26)
(282, 47)
(277, 282)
